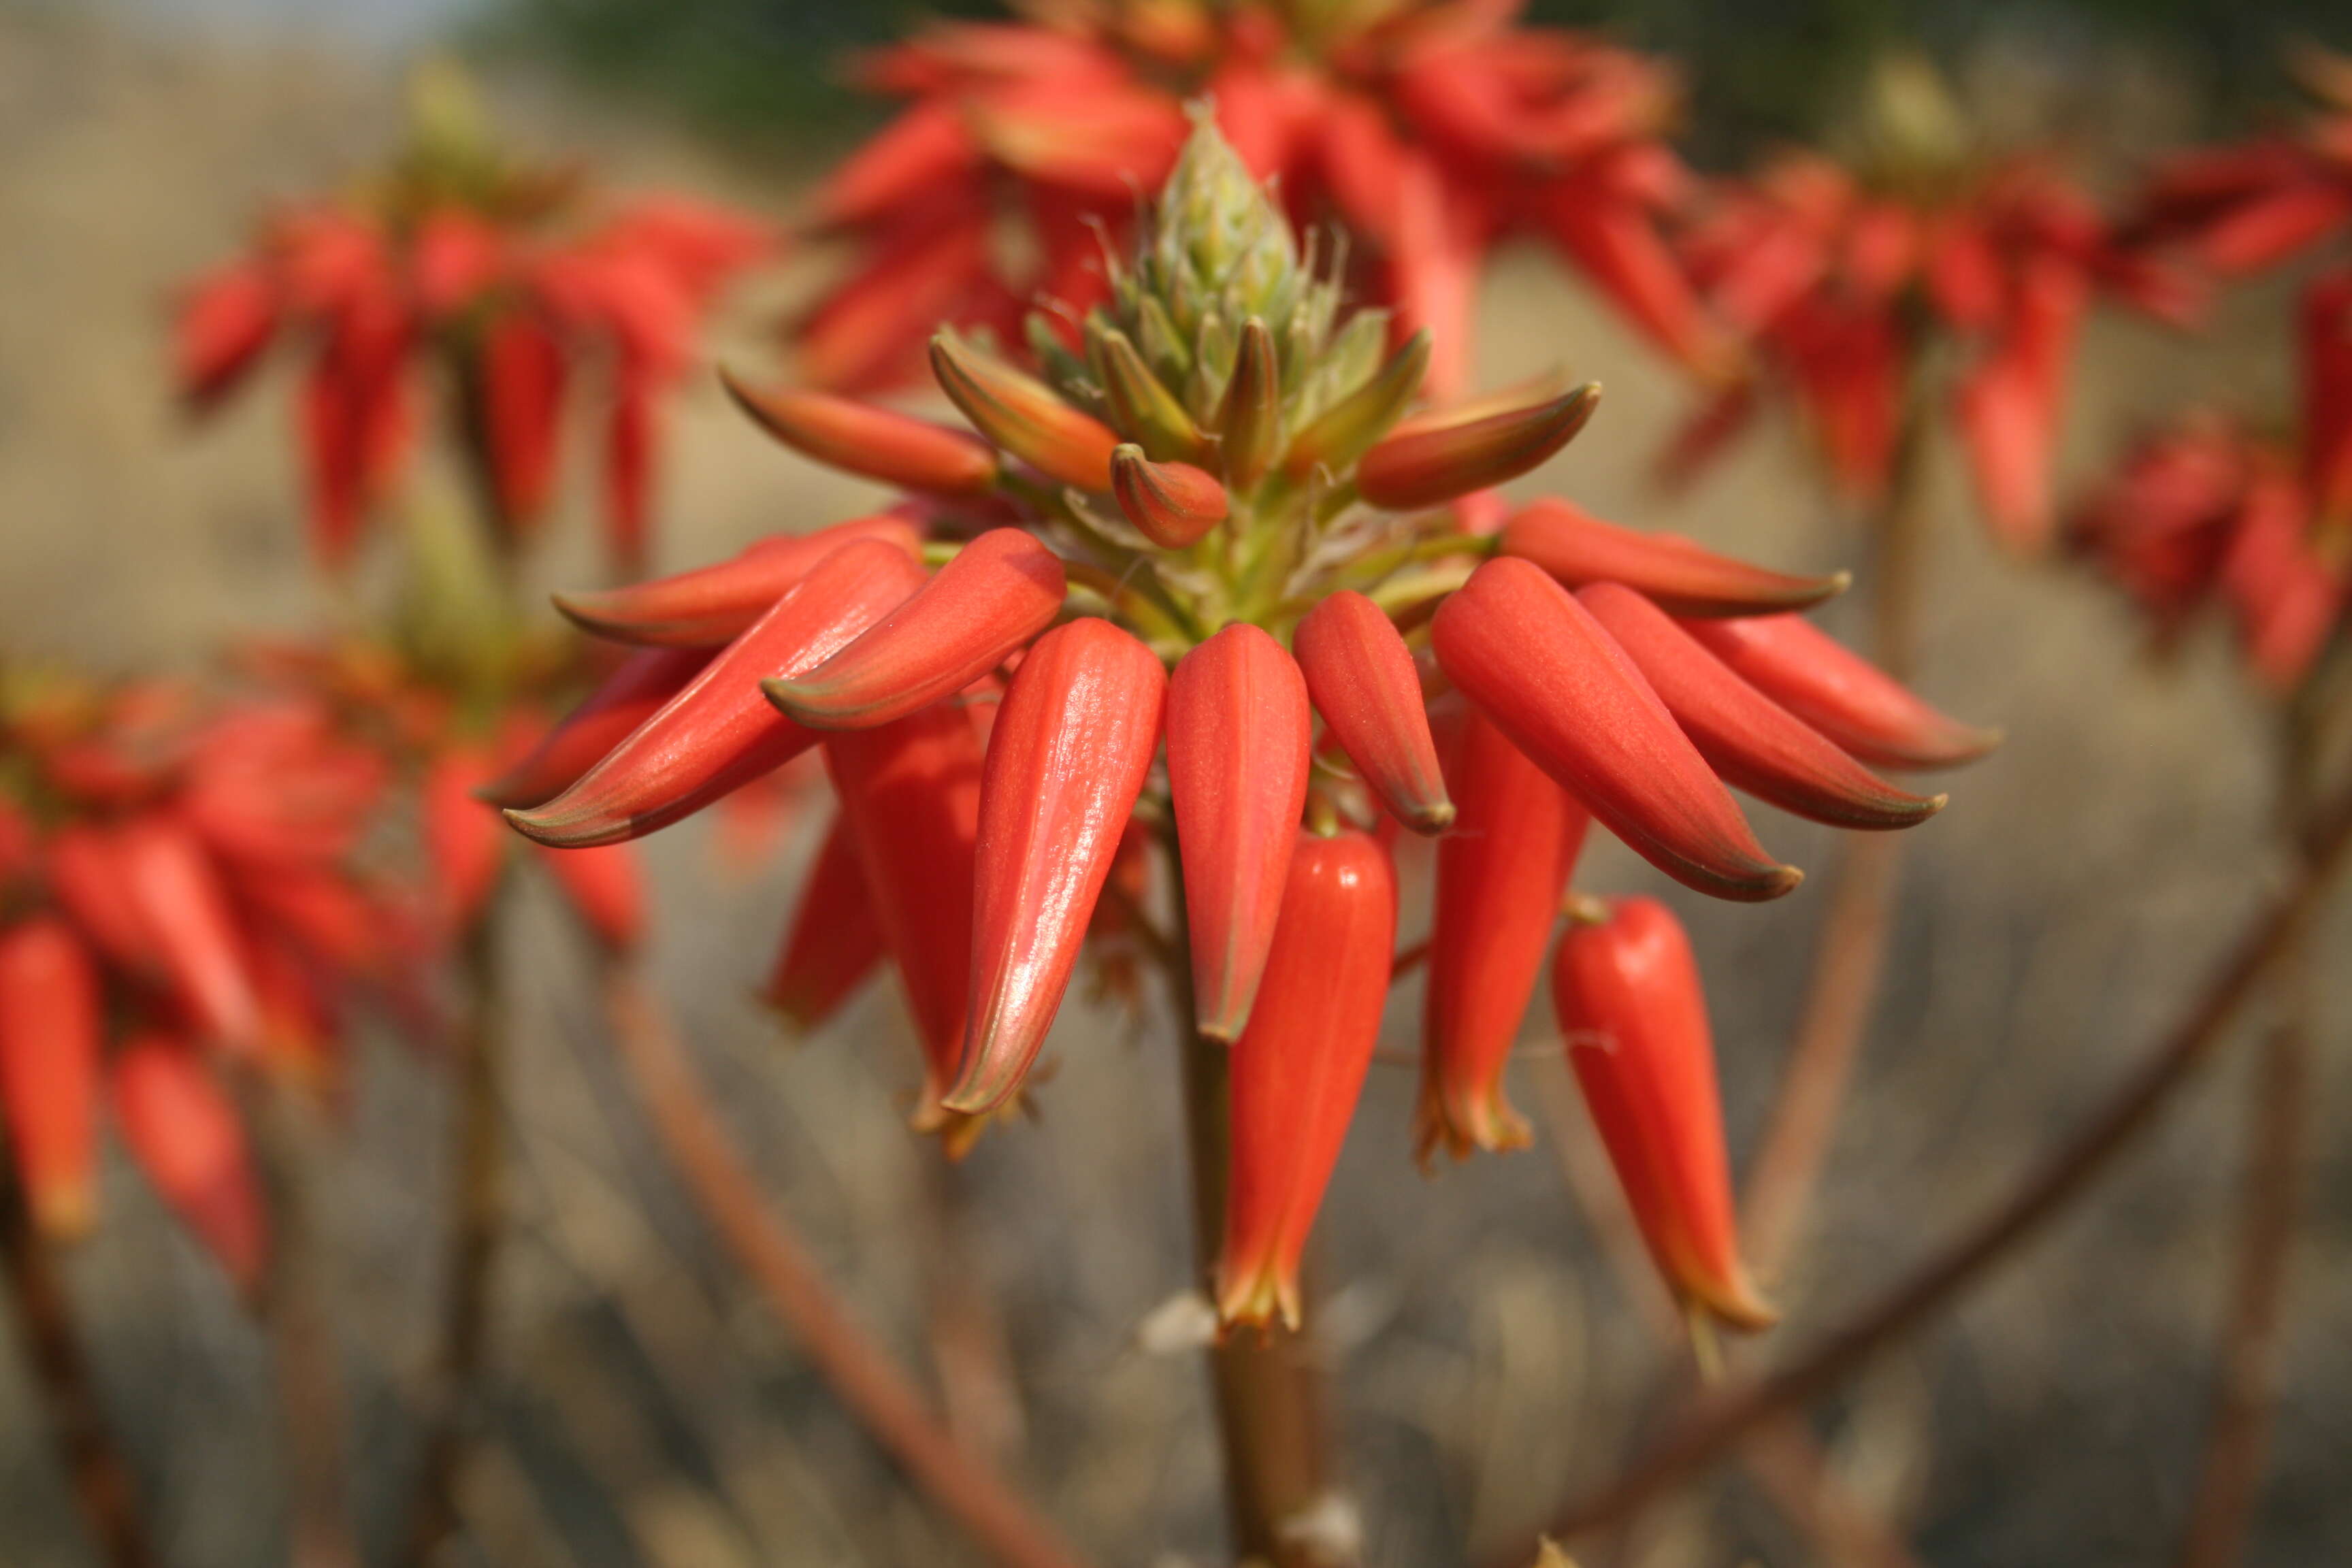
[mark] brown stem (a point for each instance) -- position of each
(309, 1381)
(1850, 952)
(2067, 1174)
(861, 1375)
(2278, 1130)
(2237, 1440)
(475, 1208)
(1267, 1386)
(85, 1443)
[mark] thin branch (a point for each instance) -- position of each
(2066, 1174)
(85, 1443)
(2238, 1440)
(1849, 956)
(310, 1379)
(1850, 952)
(476, 1211)
(861, 1375)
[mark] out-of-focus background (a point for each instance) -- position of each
(647, 1411)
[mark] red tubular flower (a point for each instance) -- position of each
(1751, 741)
(1500, 875)
(49, 1039)
(835, 941)
(183, 1132)
(895, 448)
(185, 913)
(523, 375)
(910, 795)
(1535, 662)
(1065, 761)
(712, 606)
(1633, 1016)
(1000, 591)
(1578, 547)
(2327, 397)
(1839, 693)
(226, 321)
(1238, 731)
(90, 879)
(1297, 1071)
(719, 732)
(1365, 685)
(633, 693)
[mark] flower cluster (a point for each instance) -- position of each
(1846, 280)
(457, 264)
(179, 894)
(2233, 211)
(1217, 528)
(2202, 511)
(1431, 128)
(453, 761)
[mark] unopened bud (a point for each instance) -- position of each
(1023, 416)
(1173, 504)
(1426, 467)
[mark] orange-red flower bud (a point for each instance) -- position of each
(1578, 547)
(1430, 461)
(1364, 684)
(835, 942)
(183, 1132)
(1299, 1068)
(712, 606)
(1500, 875)
(49, 1039)
(1633, 1016)
(1171, 504)
(185, 910)
(1023, 416)
(1065, 760)
(1238, 732)
(1840, 694)
(632, 694)
(1749, 739)
(1000, 591)
(718, 732)
(911, 795)
(1537, 664)
(881, 444)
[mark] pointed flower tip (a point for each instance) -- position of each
(1430, 462)
(1431, 819)
(1737, 1303)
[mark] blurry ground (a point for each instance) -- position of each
(646, 1410)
